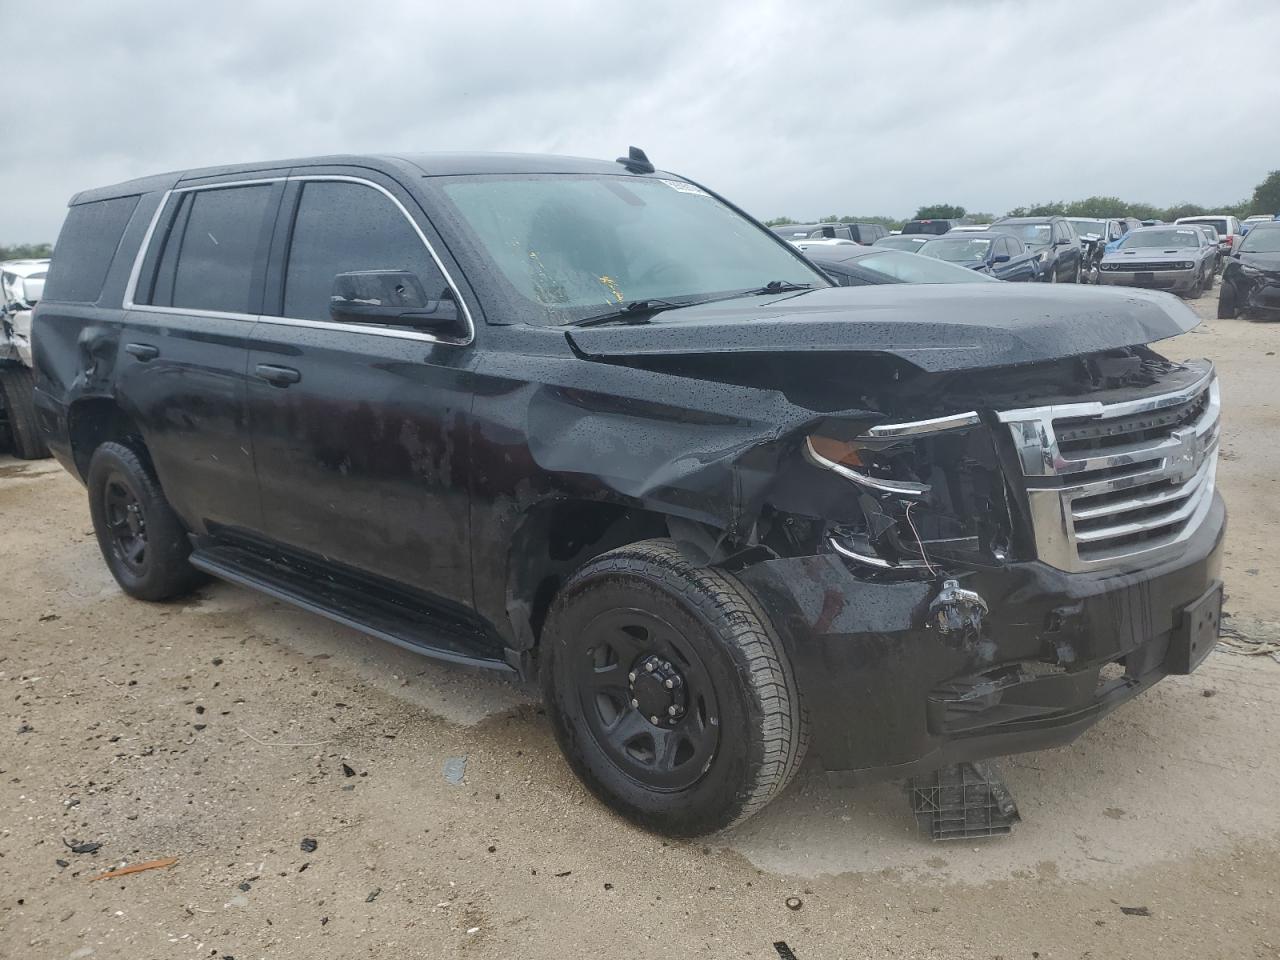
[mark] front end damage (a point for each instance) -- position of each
(936, 609)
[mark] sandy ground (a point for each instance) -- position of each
(216, 731)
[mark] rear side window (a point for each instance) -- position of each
(86, 247)
(213, 248)
(345, 227)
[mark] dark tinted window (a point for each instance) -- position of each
(345, 227)
(213, 247)
(86, 247)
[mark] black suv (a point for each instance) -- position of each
(1054, 243)
(589, 421)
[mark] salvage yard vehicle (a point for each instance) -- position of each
(863, 233)
(1178, 259)
(1228, 227)
(588, 421)
(1095, 234)
(998, 255)
(902, 241)
(1053, 241)
(850, 265)
(1251, 278)
(21, 286)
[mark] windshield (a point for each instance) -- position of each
(956, 249)
(910, 268)
(1178, 239)
(913, 243)
(1219, 224)
(571, 246)
(1096, 227)
(1262, 240)
(1031, 234)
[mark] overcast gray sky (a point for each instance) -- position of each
(803, 108)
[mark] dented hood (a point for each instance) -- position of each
(936, 327)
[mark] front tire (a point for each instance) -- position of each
(20, 406)
(669, 691)
(141, 538)
(1227, 309)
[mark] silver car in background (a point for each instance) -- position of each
(1180, 259)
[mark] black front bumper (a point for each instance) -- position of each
(889, 697)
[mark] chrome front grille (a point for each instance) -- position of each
(1112, 483)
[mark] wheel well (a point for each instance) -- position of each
(555, 539)
(95, 421)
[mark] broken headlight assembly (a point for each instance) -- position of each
(928, 491)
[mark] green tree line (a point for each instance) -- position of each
(26, 251)
(1265, 199)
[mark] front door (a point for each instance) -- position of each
(360, 432)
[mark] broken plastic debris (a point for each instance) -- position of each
(91, 847)
(136, 868)
(308, 845)
(1136, 911)
(455, 769)
(373, 895)
(347, 771)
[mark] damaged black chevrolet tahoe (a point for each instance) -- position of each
(589, 421)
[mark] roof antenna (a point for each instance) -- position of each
(636, 161)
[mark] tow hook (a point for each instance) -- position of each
(957, 611)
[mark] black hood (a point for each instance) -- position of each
(1269, 262)
(935, 327)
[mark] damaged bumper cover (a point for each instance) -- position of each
(901, 678)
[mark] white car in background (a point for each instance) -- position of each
(1228, 227)
(21, 287)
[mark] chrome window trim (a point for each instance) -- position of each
(918, 427)
(148, 238)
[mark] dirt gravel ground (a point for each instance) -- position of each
(228, 730)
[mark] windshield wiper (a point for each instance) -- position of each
(779, 286)
(637, 311)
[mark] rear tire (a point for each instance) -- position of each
(141, 538)
(18, 388)
(639, 634)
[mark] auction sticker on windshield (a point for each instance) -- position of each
(685, 187)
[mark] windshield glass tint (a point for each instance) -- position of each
(1262, 240)
(1029, 233)
(1183, 237)
(911, 268)
(957, 249)
(901, 243)
(1096, 227)
(574, 246)
(1219, 224)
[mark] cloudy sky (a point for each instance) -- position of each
(797, 107)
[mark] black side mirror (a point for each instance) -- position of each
(1001, 258)
(391, 297)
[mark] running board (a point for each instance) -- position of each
(413, 627)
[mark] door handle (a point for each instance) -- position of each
(142, 351)
(278, 376)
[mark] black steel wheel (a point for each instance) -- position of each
(669, 691)
(142, 540)
(646, 698)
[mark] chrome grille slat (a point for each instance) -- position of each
(1170, 468)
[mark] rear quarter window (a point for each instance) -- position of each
(86, 247)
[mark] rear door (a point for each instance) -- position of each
(360, 432)
(192, 301)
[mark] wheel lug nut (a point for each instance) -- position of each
(650, 666)
(673, 710)
(632, 676)
(635, 703)
(653, 720)
(669, 684)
